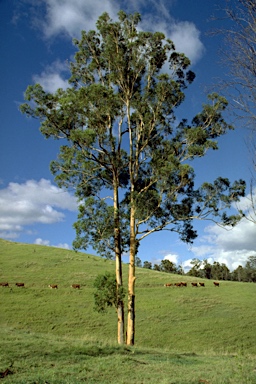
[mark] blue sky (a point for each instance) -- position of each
(36, 44)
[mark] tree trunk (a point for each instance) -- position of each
(131, 282)
(120, 308)
(119, 278)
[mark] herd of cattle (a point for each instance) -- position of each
(182, 284)
(77, 286)
(53, 286)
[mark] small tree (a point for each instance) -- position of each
(196, 269)
(147, 265)
(225, 272)
(239, 274)
(216, 270)
(179, 270)
(157, 267)
(250, 269)
(106, 294)
(168, 266)
(207, 269)
(138, 262)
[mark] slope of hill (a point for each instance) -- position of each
(172, 324)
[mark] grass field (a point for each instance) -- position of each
(183, 335)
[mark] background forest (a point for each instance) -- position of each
(205, 270)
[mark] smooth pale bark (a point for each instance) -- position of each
(119, 281)
(130, 338)
(120, 308)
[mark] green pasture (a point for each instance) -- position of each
(183, 335)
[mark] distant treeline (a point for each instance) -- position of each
(204, 269)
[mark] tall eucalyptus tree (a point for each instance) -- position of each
(118, 122)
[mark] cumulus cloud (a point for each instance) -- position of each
(241, 237)
(62, 245)
(184, 34)
(186, 265)
(172, 257)
(166, 255)
(231, 247)
(64, 16)
(22, 205)
(40, 241)
(53, 77)
(186, 38)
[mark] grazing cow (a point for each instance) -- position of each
(75, 286)
(53, 286)
(168, 285)
(194, 284)
(201, 284)
(178, 284)
(5, 373)
(4, 284)
(216, 284)
(20, 284)
(183, 284)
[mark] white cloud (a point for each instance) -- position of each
(50, 81)
(40, 241)
(53, 77)
(186, 265)
(9, 235)
(22, 205)
(184, 34)
(62, 245)
(186, 38)
(172, 257)
(232, 247)
(241, 237)
(64, 16)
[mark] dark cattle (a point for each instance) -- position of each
(5, 373)
(216, 284)
(4, 284)
(194, 284)
(183, 284)
(201, 284)
(168, 285)
(20, 284)
(53, 286)
(178, 284)
(75, 286)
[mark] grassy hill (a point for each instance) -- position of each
(183, 335)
